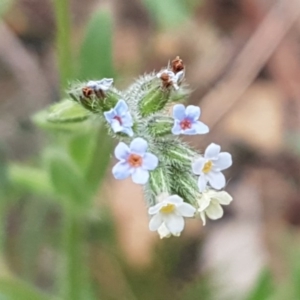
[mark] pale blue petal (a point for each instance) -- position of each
(122, 151)
(179, 112)
(223, 162)
(174, 223)
(140, 176)
(155, 222)
(202, 183)
(190, 131)
(92, 84)
(200, 127)
(198, 165)
(212, 151)
(193, 112)
(150, 161)
(121, 107)
(121, 170)
(176, 128)
(216, 180)
(127, 120)
(109, 115)
(115, 125)
(138, 146)
(128, 131)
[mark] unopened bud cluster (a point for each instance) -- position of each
(147, 119)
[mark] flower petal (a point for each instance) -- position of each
(190, 131)
(122, 151)
(200, 128)
(224, 161)
(202, 183)
(163, 231)
(128, 131)
(115, 126)
(178, 112)
(127, 120)
(216, 180)
(155, 209)
(174, 199)
(186, 210)
(222, 197)
(198, 165)
(174, 223)
(109, 115)
(121, 107)
(214, 211)
(150, 161)
(155, 222)
(138, 146)
(193, 112)
(121, 170)
(204, 201)
(203, 218)
(212, 151)
(105, 83)
(140, 176)
(176, 129)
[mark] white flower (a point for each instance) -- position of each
(210, 204)
(210, 166)
(168, 216)
(169, 78)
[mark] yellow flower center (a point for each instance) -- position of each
(207, 167)
(168, 208)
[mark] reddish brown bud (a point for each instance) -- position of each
(165, 78)
(87, 92)
(177, 65)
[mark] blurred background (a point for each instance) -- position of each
(70, 231)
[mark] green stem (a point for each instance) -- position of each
(63, 41)
(74, 273)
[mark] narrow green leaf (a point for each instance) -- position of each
(263, 288)
(63, 41)
(67, 111)
(167, 13)
(96, 52)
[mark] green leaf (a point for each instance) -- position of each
(67, 111)
(41, 119)
(167, 13)
(95, 59)
(67, 180)
(263, 288)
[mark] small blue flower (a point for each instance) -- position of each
(103, 84)
(119, 118)
(186, 120)
(134, 161)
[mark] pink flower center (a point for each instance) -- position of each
(185, 124)
(118, 119)
(135, 160)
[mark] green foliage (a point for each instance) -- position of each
(67, 111)
(95, 59)
(66, 178)
(263, 288)
(168, 13)
(12, 289)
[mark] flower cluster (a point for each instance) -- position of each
(178, 182)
